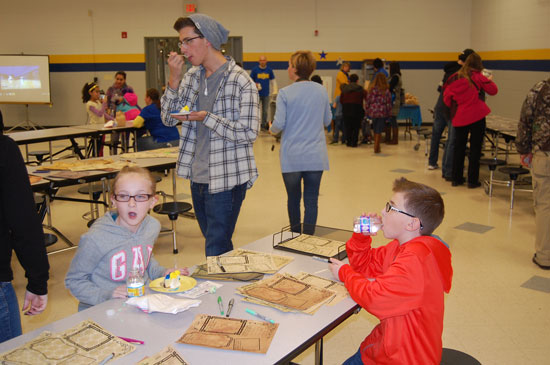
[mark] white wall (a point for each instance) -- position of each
(66, 27)
(511, 25)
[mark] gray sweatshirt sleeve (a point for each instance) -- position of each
(78, 279)
(154, 269)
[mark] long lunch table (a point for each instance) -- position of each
(296, 332)
(50, 184)
(497, 127)
(49, 135)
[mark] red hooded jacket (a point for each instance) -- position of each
(402, 285)
(470, 108)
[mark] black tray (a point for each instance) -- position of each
(321, 232)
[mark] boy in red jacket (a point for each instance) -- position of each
(403, 282)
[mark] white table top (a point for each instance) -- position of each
(296, 331)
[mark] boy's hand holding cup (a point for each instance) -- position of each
(368, 224)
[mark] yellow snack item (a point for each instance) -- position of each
(184, 109)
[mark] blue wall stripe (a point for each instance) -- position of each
(512, 65)
(91, 67)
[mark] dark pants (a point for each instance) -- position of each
(352, 125)
(217, 215)
(476, 131)
(293, 185)
(264, 100)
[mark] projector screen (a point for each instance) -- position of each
(25, 79)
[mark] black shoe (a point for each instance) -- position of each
(457, 183)
(544, 267)
(448, 178)
(474, 185)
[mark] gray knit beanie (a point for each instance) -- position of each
(213, 31)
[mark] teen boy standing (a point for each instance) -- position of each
(216, 137)
(403, 282)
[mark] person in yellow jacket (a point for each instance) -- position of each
(342, 78)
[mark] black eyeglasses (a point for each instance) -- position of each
(391, 207)
(186, 41)
(140, 198)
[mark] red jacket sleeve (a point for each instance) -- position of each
(393, 293)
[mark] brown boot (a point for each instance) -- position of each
(387, 130)
(377, 138)
(395, 137)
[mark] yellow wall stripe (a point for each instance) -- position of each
(528, 54)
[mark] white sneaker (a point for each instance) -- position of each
(433, 167)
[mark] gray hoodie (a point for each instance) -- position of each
(105, 256)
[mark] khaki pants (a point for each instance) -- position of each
(541, 198)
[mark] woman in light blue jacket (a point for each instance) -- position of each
(303, 110)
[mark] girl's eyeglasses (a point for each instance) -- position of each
(140, 198)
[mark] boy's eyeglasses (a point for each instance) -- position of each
(140, 198)
(391, 207)
(185, 42)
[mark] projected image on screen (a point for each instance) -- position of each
(24, 79)
(20, 77)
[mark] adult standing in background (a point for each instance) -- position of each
(469, 118)
(264, 78)
(20, 231)
(442, 119)
(217, 137)
(115, 97)
(352, 109)
(378, 66)
(115, 93)
(303, 110)
(342, 78)
(396, 86)
(533, 144)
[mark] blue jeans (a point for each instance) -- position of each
(439, 126)
(293, 185)
(10, 322)
(148, 143)
(217, 215)
(447, 160)
(378, 124)
(264, 100)
(355, 359)
(338, 127)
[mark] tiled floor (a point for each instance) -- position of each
(498, 309)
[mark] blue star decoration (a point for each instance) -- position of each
(323, 55)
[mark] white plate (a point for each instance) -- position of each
(180, 113)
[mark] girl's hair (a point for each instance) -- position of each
(473, 62)
(380, 82)
(146, 174)
(304, 63)
(395, 68)
(345, 63)
(88, 87)
(154, 95)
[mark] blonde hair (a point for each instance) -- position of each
(135, 170)
(473, 62)
(304, 63)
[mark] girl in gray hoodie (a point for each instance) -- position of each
(118, 242)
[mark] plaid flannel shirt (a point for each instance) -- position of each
(233, 124)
